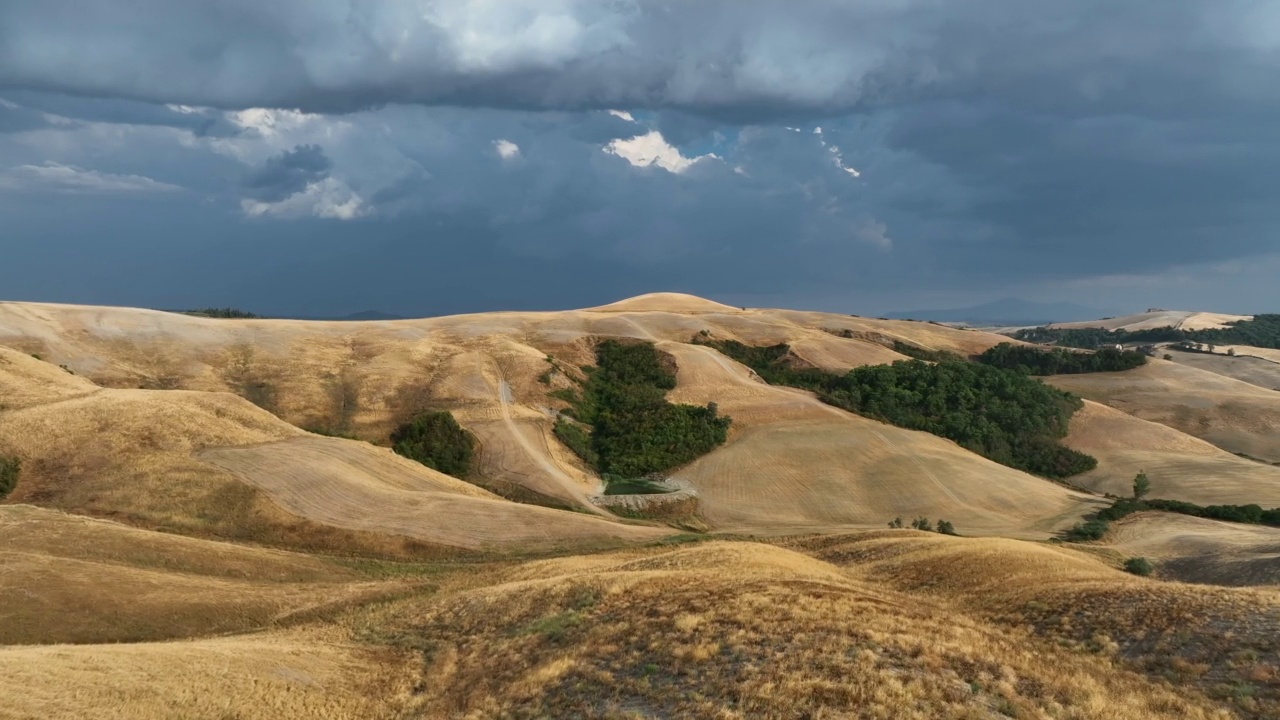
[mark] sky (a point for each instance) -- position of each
(419, 157)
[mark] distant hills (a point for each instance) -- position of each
(1008, 311)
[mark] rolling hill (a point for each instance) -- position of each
(180, 544)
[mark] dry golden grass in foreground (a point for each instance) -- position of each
(69, 579)
(737, 630)
(1219, 640)
(284, 674)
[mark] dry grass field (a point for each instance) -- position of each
(1248, 365)
(795, 462)
(1180, 319)
(874, 625)
(1181, 467)
(179, 546)
(1200, 550)
(283, 674)
(1234, 415)
(70, 579)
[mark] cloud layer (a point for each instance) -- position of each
(735, 57)
(815, 150)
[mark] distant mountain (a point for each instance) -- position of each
(1009, 311)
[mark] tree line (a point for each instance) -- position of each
(1262, 331)
(1059, 361)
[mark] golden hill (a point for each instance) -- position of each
(1181, 319)
(1181, 467)
(883, 625)
(213, 464)
(1200, 550)
(70, 579)
(1234, 415)
(803, 466)
(495, 617)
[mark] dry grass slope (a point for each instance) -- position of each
(1234, 415)
(214, 465)
(733, 630)
(290, 674)
(1180, 466)
(71, 579)
(488, 369)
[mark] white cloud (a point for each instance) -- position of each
(653, 149)
(873, 232)
(329, 198)
(54, 177)
(507, 150)
(836, 156)
(622, 114)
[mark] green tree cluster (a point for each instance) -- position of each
(227, 313)
(9, 469)
(620, 422)
(1262, 331)
(436, 440)
(1095, 529)
(1000, 414)
(1058, 361)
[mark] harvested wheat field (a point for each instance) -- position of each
(1234, 415)
(1181, 319)
(357, 487)
(70, 579)
(1200, 550)
(213, 464)
(1181, 467)
(283, 674)
(1245, 365)
(364, 378)
(796, 462)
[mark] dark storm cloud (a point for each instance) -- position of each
(287, 174)
(966, 146)
(198, 121)
(735, 58)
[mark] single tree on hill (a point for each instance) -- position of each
(1141, 485)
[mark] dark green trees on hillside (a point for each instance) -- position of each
(620, 422)
(436, 440)
(1262, 331)
(1000, 414)
(9, 469)
(1058, 361)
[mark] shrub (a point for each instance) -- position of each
(1138, 566)
(1091, 530)
(9, 469)
(436, 440)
